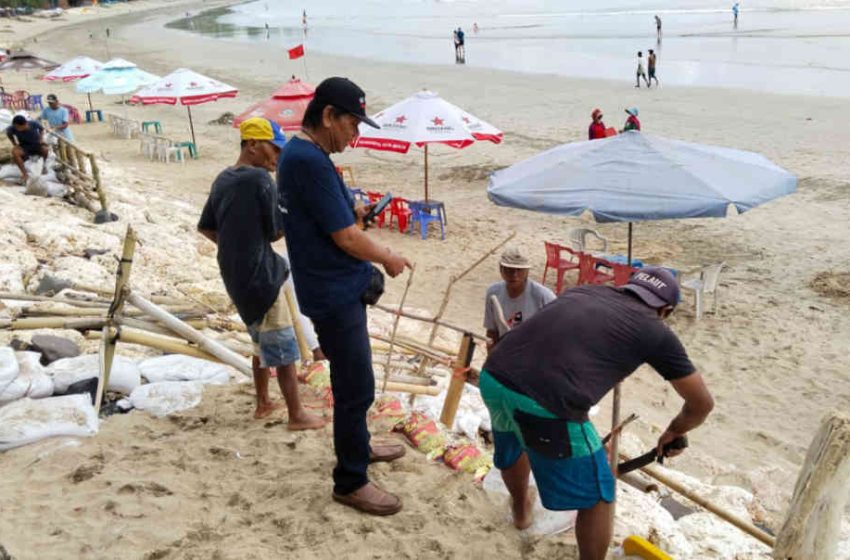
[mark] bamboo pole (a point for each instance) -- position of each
(295, 316)
(430, 354)
(98, 185)
(395, 329)
(70, 323)
(395, 387)
(32, 297)
(457, 382)
(430, 320)
(205, 343)
(166, 344)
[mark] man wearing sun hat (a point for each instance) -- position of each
(541, 380)
(519, 298)
(242, 218)
(57, 117)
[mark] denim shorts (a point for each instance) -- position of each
(274, 337)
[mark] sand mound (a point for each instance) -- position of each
(832, 284)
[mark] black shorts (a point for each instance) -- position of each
(32, 151)
(652, 72)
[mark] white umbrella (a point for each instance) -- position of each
(187, 88)
(75, 69)
(421, 119)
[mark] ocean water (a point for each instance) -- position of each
(786, 46)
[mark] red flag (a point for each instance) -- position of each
(296, 52)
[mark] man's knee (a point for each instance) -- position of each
(17, 152)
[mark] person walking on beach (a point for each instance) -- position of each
(57, 117)
(632, 122)
(457, 46)
(640, 73)
(657, 28)
(651, 62)
(597, 128)
(735, 9)
(241, 217)
(27, 138)
(543, 377)
(335, 280)
(461, 46)
(519, 298)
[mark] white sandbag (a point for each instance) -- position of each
(168, 397)
(39, 185)
(40, 384)
(10, 171)
(26, 421)
(176, 367)
(9, 367)
(123, 377)
(546, 523)
(5, 118)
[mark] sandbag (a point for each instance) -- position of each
(26, 421)
(31, 381)
(167, 397)
(124, 375)
(39, 185)
(9, 367)
(176, 367)
(10, 171)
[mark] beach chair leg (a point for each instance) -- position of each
(442, 230)
(698, 299)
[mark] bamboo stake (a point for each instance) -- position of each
(457, 382)
(34, 323)
(98, 185)
(205, 343)
(430, 320)
(101, 312)
(295, 316)
(166, 344)
(395, 328)
(439, 358)
(394, 387)
(31, 297)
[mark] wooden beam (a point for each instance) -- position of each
(458, 380)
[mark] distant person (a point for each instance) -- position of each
(658, 28)
(632, 122)
(735, 9)
(519, 297)
(242, 217)
(640, 71)
(57, 117)
(304, 19)
(475, 28)
(27, 138)
(461, 45)
(108, 33)
(651, 62)
(597, 127)
(457, 45)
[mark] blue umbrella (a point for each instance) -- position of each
(117, 77)
(637, 177)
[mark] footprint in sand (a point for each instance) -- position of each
(153, 488)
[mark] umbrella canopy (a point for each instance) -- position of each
(24, 60)
(634, 177)
(74, 69)
(286, 106)
(421, 119)
(117, 77)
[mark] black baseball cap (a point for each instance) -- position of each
(656, 286)
(344, 94)
(52, 97)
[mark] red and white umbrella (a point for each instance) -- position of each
(187, 88)
(75, 69)
(286, 106)
(421, 119)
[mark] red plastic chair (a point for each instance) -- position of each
(374, 197)
(561, 266)
(589, 274)
(19, 100)
(622, 273)
(400, 210)
(73, 114)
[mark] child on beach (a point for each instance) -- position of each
(640, 71)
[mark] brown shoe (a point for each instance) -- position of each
(385, 451)
(371, 499)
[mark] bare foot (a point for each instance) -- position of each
(306, 421)
(524, 516)
(265, 410)
(25, 179)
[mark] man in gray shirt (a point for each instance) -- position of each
(518, 297)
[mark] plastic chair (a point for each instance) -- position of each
(92, 113)
(588, 273)
(400, 210)
(73, 114)
(374, 197)
(193, 150)
(622, 273)
(34, 101)
(424, 217)
(155, 124)
(19, 100)
(561, 266)
(705, 283)
(578, 238)
(358, 194)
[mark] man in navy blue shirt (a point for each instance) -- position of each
(331, 265)
(27, 138)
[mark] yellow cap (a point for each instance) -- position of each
(256, 128)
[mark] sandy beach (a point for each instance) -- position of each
(213, 483)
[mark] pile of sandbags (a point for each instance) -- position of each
(22, 376)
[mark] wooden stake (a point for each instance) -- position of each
(70, 323)
(458, 380)
(394, 387)
(813, 524)
(430, 320)
(295, 315)
(395, 328)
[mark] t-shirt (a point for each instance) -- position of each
(242, 209)
(316, 203)
(460, 36)
(596, 131)
(517, 309)
(632, 123)
(30, 139)
(58, 117)
(574, 350)
(640, 67)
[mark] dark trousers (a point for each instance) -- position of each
(344, 338)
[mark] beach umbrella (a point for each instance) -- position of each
(286, 106)
(75, 69)
(422, 119)
(116, 77)
(635, 177)
(187, 88)
(24, 60)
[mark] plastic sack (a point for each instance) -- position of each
(26, 421)
(423, 434)
(176, 367)
(468, 457)
(41, 186)
(318, 375)
(31, 380)
(546, 522)
(123, 377)
(168, 397)
(389, 407)
(9, 367)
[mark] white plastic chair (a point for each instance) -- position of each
(705, 283)
(147, 146)
(176, 151)
(578, 238)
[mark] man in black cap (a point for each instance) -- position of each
(57, 117)
(543, 377)
(334, 279)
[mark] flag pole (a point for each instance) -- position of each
(304, 56)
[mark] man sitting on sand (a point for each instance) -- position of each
(544, 376)
(519, 298)
(27, 138)
(597, 127)
(241, 216)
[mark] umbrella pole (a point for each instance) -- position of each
(191, 125)
(426, 172)
(90, 107)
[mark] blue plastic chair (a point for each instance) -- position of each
(424, 218)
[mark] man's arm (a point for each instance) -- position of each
(698, 405)
(360, 246)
